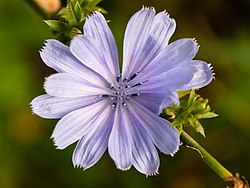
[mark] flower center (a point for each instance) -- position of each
(121, 93)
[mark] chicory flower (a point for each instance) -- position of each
(101, 108)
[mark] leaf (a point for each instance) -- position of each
(196, 125)
(183, 93)
(192, 97)
(206, 115)
(73, 32)
(200, 129)
(78, 12)
(62, 12)
(57, 25)
(70, 15)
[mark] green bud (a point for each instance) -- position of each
(189, 112)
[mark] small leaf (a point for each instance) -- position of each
(102, 10)
(192, 121)
(78, 12)
(73, 2)
(206, 115)
(200, 129)
(62, 12)
(57, 25)
(196, 125)
(73, 32)
(70, 15)
(183, 93)
(192, 97)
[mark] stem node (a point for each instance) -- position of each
(232, 181)
(236, 181)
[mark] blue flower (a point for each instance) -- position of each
(101, 108)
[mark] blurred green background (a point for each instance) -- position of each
(28, 158)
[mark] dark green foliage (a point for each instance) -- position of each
(69, 20)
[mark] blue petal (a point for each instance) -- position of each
(88, 51)
(136, 35)
(155, 102)
(169, 81)
(202, 77)
(67, 85)
(144, 153)
(152, 101)
(51, 107)
(161, 30)
(191, 75)
(120, 141)
(95, 142)
(145, 156)
(96, 27)
(76, 124)
(58, 56)
(171, 98)
(174, 55)
(165, 137)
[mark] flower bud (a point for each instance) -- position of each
(49, 6)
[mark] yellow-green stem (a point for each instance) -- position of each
(206, 157)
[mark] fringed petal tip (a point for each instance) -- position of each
(164, 12)
(152, 174)
(44, 45)
(48, 43)
(176, 149)
(78, 165)
(37, 108)
(212, 70)
(52, 44)
(82, 166)
(43, 48)
(202, 75)
(147, 8)
(123, 169)
(93, 14)
(195, 41)
(167, 14)
(54, 143)
(174, 152)
(32, 106)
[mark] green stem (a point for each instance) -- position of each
(206, 157)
